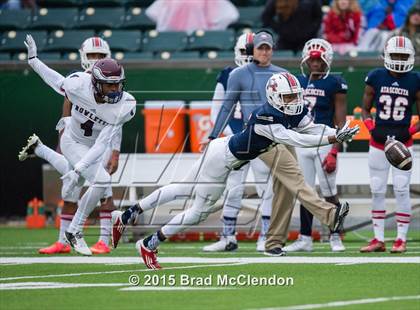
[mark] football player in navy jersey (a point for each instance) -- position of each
(394, 90)
(235, 182)
(325, 96)
(283, 119)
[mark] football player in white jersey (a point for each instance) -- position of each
(92, 49)
(235, 182)
(100, 107)
(282, 119)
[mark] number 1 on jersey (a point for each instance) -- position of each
(87, 127)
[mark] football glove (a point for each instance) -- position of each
(70, 180)
(31, 46)
(346, 133)
(330, 162)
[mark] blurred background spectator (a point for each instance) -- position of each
(191, 15)
(17, 4)
(294, 21)
(342, 25)
(411, 27)
(382, 16)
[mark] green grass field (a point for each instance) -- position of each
(321, 279)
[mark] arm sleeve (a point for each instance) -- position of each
(279, 134)
(231, 97)
(116, 141)
(307, 126)
(98, 149)
(216, 104)
(52, 78)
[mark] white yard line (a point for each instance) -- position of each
(53, 285)
(345, 303)
(113, 272)
(212, 260)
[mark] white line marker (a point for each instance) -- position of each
(112, 272)
(213, 260)
(345, 303)
(53, 285)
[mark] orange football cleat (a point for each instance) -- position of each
(100, 248)
(399, 246)
(56, 248)
(374, 246)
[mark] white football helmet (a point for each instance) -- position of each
(399, 45)
(281, 84)
(93, 45)
(318, 48)
(241, 56)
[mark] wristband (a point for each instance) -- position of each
(412, 130)
(369, 123)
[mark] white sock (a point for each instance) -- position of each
(403, 214)
(87, 204)
(265, 224)
(65, 220)
(378, 215)
(58, 161)
(105, 222)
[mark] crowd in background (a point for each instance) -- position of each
(349, 25)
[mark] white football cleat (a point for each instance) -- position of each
(261, 244)
(28, 151)
(302, 244)
(225, 244)
(78, 243)
(336, 244)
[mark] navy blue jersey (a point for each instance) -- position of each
(394, 99)
(248, 145)
(320, 95)
(236, 123)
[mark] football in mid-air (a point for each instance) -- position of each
(398, 154)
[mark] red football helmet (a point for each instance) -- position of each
(108, 71)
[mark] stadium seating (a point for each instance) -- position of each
(169, 41)
(71, 56)
(12, 41)
(178, 55)
(283, 54)
(67, 41)
(14, 19)
(100, 18)
(59, 3)
(212, 40)
(4, 56)
(44, 56)
(135, 18)
(219, 55)
(55, 18)
(123, 40)
(100, 3)
(133, 56)
(248, 17)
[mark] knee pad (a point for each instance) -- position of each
(401, 183)
(377, 185)
(102, 179)
(73, 196)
